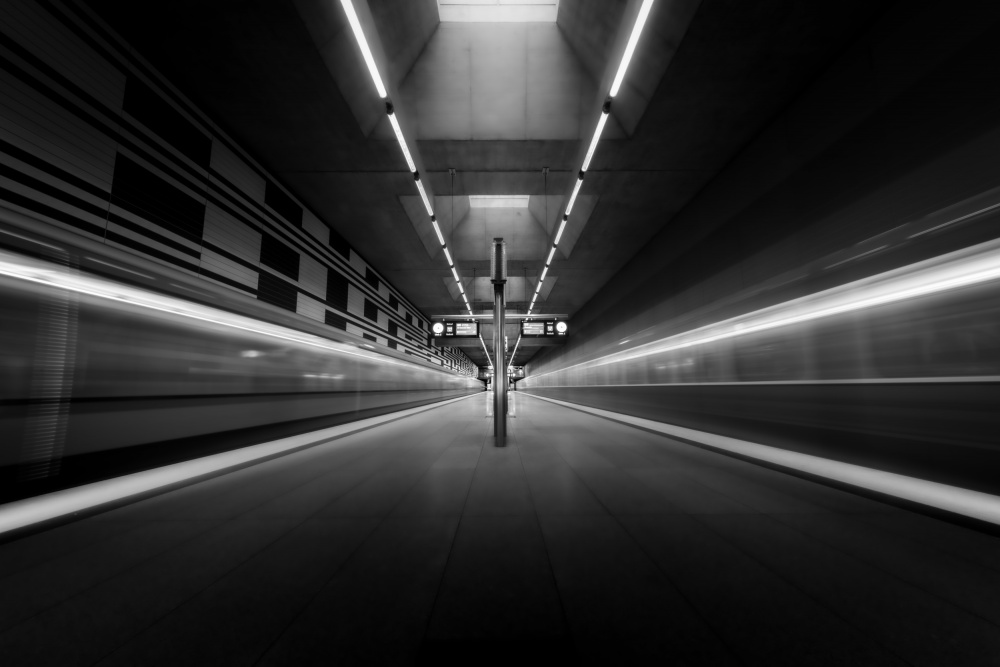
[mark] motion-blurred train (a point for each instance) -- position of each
(899, 371)
(101, 378)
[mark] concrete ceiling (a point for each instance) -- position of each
(497, 104)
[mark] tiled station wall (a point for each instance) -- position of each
(93, 140)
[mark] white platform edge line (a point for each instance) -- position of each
(966, 502)
(21, 514)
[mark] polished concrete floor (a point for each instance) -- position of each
(583, 541)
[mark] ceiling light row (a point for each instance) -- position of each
(513, 354)
(359, 35)
(633, 39)
(488, 360)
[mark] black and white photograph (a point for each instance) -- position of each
(500, 333)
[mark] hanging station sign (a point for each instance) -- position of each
(452, 329)
(543, 328)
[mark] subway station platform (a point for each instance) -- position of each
(583, 541)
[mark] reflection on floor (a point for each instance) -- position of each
(582, 540)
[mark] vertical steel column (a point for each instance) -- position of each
(499, 371)
(498, 276)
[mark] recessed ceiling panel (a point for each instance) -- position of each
(508, 81)
(498, 11)
(498, 201)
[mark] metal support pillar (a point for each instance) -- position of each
(499, 369)
(498, 276)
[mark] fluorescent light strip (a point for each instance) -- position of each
(545, 272)
(359, 35)
(402, 142)
(973, 504)
(962, 268)
(21, 514)
(461, 289)
(447, 255)
(562, 226)
(488, 360)
(427, 202)
(572, 197)
(41, 274)
(513, 354)
(498, 201)
(455, 273)
(538, 288)
(633, 39)
(437, 230)
(593, 142)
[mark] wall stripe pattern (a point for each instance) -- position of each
(93, 140)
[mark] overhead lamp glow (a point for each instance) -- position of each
(359, 35)
(513, 354)
(455, 273)
(447, 255)
(562, 226)
(551, 254)
(402, 142)
(437, 230)
(545, 272)
(561, 326)
(538, 288)
(438, 328)
(498, 201)
(461, 290)
(593, 142)
(572, 197)
(633, 39)
(427, 202)
(488, 359)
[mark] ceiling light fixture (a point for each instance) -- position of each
(562, 226)
(597, 134)
(510, 366)
(399, 136)
(437, 230)
(633, 39)
(369, 58)
(572, 197)
(423, 194)
(962, 268)
(359, 35)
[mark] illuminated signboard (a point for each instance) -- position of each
(532, 328)
(456, 329)
(467, 329)
(543, 328)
